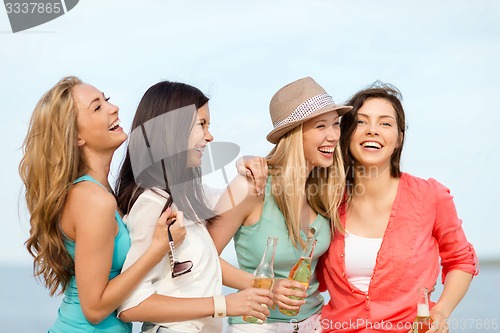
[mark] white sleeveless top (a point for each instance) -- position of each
(204, 280)
(360, 258)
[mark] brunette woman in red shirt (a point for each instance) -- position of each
(396, 228)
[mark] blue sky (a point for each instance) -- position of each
(443, 56)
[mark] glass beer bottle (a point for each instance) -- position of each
(423, 321)
(263, 275)
(301, 271)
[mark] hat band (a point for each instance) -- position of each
(308, 107)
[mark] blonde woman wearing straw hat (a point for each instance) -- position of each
(304, 190)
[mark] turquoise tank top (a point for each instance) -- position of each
(70, 314)
(250, 243)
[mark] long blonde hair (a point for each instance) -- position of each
(323, 187)
(51, 162)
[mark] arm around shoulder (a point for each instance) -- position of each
(235, 205)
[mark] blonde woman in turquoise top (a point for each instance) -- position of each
(77, 238)
(304, 190)
(71, 310)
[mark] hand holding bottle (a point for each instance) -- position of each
(439, 321)
(423, 322)
(288, 294)
(433, 321)
(301, 272)
(254, 302)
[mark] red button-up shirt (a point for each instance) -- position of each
(423, 226)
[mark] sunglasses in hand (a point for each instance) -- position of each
(178, 267)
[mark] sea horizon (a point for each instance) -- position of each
(25, 305)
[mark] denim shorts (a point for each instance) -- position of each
(153, 328)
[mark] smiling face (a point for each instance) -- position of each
(377, 135)
(320, 136)
(97, 120)
(199, 137)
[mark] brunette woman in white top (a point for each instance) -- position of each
(161, 170)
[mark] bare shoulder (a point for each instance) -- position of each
(243, 188)
(241, 183)
(92, 196)
(240, 196)
(88, 205)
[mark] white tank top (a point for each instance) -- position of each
(360, 258)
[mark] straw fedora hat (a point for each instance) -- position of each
(298, 102)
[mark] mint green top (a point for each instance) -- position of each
(70, 315)
(250, 242)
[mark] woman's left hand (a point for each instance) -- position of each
(177, 228)
(439, 322)
(160, 241)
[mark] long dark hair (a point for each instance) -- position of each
(349, 123)
(157, 150)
